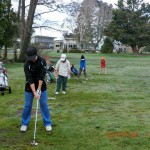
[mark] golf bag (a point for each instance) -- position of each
(74, 70)
(50, 74)
(3, 80)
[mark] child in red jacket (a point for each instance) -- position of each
(102, 65)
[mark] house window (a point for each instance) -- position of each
(74, 46)
(57, 45)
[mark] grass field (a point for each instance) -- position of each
(107, 112)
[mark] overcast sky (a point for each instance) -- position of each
(59, 17)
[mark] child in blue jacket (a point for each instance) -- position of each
(82, 67)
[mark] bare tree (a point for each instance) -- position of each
(70, 22)
(92, 20)
(28, 15)
(26, 26)
(101, 15)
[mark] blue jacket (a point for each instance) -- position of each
(82, 64)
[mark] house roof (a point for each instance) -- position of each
(58, 40)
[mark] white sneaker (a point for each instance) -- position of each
(48, 128)
(56, 93)
(23, 128)
(64, 92)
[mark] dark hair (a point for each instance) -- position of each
(82, 57)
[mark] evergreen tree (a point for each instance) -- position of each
(130, 24)
(107, 47)
(8, 28)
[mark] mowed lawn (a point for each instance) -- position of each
(107, 112)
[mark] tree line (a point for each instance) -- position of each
(90, 22)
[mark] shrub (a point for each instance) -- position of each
(147, 48)
(64, 50)
(75, 50)
(107, 47)
(93, 51)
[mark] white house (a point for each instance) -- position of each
(58, 44)
(69, 43)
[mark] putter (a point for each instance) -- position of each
(34, 142)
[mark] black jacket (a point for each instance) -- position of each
(35, 71)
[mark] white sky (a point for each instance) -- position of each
(58, 18)
(55, 16)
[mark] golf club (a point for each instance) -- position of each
(34, 142)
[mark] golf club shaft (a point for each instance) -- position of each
(36, 118)
(56, 86)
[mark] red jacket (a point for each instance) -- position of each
(103, 63)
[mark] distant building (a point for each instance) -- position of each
(70, 42)
(43, 41)
(58, 45)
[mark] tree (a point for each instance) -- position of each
(131, 24)
(107, 47)
(70, 22)
(28, 16)
(147, 48)
(8, 28)
(102, 16)
(93, 19)
(84, 21)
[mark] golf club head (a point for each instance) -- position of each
(34, 143)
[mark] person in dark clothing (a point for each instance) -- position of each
(35, 87)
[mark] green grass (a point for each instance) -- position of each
(106, 112)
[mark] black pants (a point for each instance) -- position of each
(61, 81)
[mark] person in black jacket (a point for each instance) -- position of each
(35, 87)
